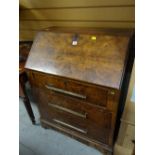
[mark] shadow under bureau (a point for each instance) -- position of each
(76, 77)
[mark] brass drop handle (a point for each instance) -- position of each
(58, 90)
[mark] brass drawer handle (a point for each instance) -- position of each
(68, 110)
(70, 126)
(65, 92)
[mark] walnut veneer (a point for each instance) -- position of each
(78, 86)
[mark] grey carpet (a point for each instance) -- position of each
(35, 140)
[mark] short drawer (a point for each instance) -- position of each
(75, 89)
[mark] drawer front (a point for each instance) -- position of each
(75, 89)
(93, 133)
(81, 117)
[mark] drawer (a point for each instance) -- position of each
(79, 116)
(93, 133)
(75, 89)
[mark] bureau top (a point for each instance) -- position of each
(94, 56)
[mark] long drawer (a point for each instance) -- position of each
(82, 91)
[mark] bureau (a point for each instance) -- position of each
(76, 77)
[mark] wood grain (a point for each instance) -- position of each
(69, 3)
(39, 24)
(78, 86)
(29, 28)
(99, 130)
(94, 14)
(35, 15)
(102, 67)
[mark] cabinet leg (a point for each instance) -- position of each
(29, 109)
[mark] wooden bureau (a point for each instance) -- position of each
(76, 76)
